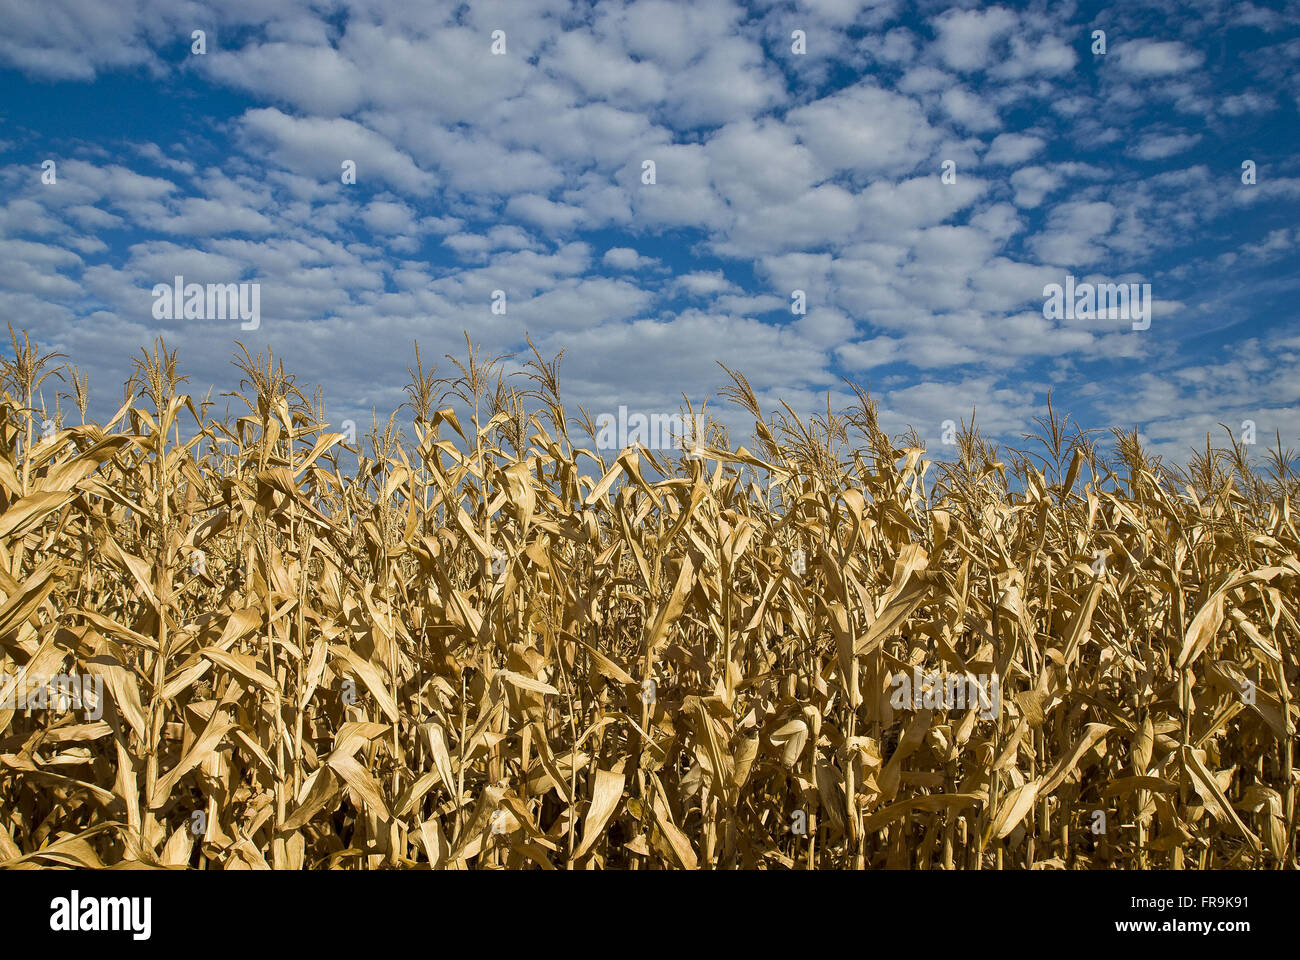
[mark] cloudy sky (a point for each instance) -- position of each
(774, 171)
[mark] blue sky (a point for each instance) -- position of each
(774, 172)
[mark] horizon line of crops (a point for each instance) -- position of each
(490, 646)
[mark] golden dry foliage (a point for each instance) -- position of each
(493, 647)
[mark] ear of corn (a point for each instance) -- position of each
(490, 646)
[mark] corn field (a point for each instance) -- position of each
(487, 643)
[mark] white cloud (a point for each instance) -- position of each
(865, 128)
(625, 258)
(317, 79)
(1156, 146)
(388, 216)
(899, 46)
(1010, 149)
(1048, 54)
(965, 38)
(1157, 58)
(547, 214)
(969, 110)
(1033, 184)
(924, 79)
(702, 283)
(318, 147)
(1073, 233)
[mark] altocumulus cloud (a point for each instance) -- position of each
(648, 184)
